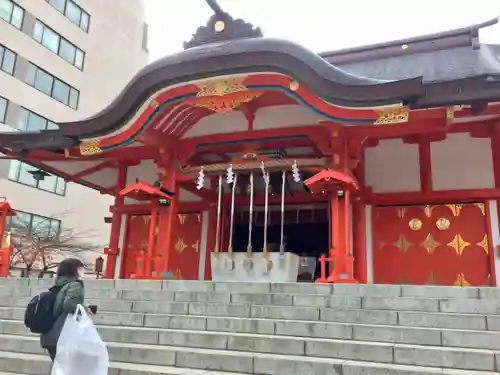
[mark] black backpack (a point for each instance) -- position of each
(39, 315)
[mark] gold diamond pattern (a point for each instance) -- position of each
(402, 244)
(459, 244)
(429, 244)
(180, 245)
(484, 244)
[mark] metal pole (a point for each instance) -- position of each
(219, 203)
(231, 230)
(250, 219)
(283, 179)
(266, 208)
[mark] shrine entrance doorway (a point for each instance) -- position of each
(305, 233)
(431, 244)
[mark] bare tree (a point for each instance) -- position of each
(41, 245)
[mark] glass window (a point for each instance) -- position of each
(79, 57)
(35, 225)
(3, 109)
(73, 12)
(67, 51)
(25, 177)
(7, 60)
(14, 169)
(85, 21)
(49, 183)
(61, 91)
(38, 31)
(30, 121)
(44, 82)
(17, 17)
(31, 75)
(48, 84)
(58, 4)
(74, 96)
(11, 13)
(19, 172)
(51, 39)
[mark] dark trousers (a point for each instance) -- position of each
(52, 352)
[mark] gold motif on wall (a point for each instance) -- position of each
(180, 245)
(481, 207)
(401, 212)
(402, 244)
(182, 218)
(484, 244)
(455, 209)
(415, 224)
(442, 223)
(177, 275)
(461, 280)
(429, 244)
(428, 210)
(392, 116)
(146, 219)
(450, 114)
(459, 244)
(91, 147)
(196, 246)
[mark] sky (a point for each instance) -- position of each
(321, 25)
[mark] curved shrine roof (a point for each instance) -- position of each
(429, 71)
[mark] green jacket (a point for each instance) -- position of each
(71, 294)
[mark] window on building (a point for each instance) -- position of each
(30, 121)
(73, 12)
(35, 225)
(57, 44)
(52, 86)
(4, 104)
(8, 60)
(20, 172)
(145, 36)
(11, 13)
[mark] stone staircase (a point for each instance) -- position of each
(205, 328)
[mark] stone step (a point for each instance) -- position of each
(212, 312)
(30, 286)
(330, 354)
(247, 303)
(186, 325)
(30, 364)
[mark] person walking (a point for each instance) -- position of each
(70, 293)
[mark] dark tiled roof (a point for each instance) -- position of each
(447, 56)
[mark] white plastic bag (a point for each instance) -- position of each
(80, 350)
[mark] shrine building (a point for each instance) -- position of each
(244, 158)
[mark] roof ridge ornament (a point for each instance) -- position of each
(222, 27)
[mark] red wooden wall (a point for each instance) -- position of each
(436, 245)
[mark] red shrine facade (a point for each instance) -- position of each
(246, 158)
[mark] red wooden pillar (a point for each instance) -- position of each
(114, 241)
(170, 183)
(148, 266)
(6, 247)
(359, 241)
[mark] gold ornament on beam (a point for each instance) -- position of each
(221, 86)
(91, 147)
(391, 116)
(450, 114)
